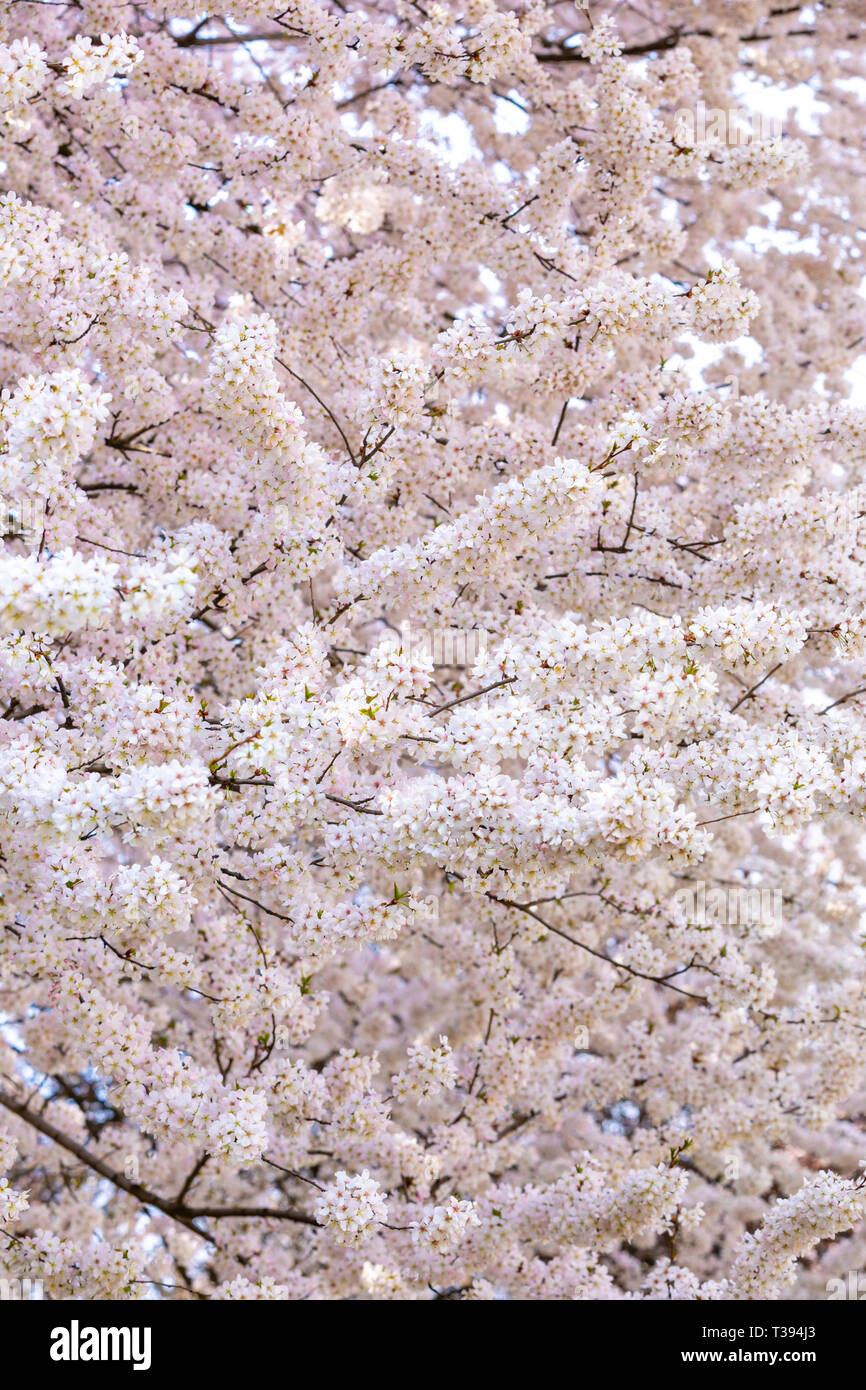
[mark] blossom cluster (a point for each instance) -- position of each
(340, 959)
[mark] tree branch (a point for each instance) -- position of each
(178, 1211)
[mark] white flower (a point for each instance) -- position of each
(351, 1207)
(445, 1226)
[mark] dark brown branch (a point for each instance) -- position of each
(176, 1210)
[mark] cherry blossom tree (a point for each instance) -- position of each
(432, 649)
